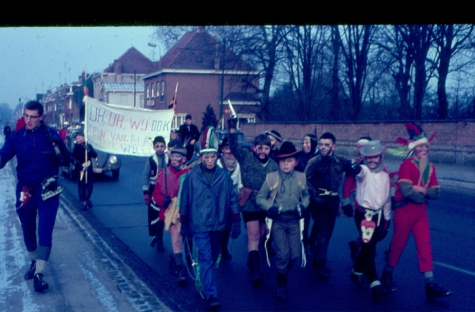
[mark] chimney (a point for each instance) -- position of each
(117, 67)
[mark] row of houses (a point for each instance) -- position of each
(198, 70)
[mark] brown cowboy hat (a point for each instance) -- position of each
(287, 149)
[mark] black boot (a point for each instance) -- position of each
(31, 271)
(387, 280)
(39, 282)
(159, 235)
(172, 264)
(254, 265)
(281, 287)
(180, 268)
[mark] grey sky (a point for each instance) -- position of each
(35, 59)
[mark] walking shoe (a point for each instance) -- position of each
(377, 292)
(181, 275)
(353, 250)
(84, 206)
(387, 281)
(359, 279)
(434, 290)
(31, 271)
(89, 204)
(213, 303)
(39, 282)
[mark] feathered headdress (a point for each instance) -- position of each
(417, 136)
(208, 141)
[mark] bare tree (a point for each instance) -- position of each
(355, 44)
(449, 40)
(305, 47)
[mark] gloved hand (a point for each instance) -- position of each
(236, 229)
(146, 199)
(166, 201)
(348, 210)
(232, 123)
(273, 212)
(355, 168)
(383, 229)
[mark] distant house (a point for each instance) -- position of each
(121, 82)
(206, 73)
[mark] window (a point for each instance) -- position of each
(148, 91)
(247, 118)
(157, 86)
(162, 95)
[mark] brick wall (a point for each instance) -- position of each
(454, 142)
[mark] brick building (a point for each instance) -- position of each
(205, 73)
(121, 82)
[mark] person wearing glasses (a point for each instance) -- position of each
(39, 151)
(324, 174)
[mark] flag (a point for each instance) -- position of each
(85, 88)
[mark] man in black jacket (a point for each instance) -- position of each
(324, 175)
(189, 135)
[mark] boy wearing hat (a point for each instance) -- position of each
(372, 214)
(153, 165)
(83, 153)
(284, 196)
(275, 141)
(208, 207)
(417, 183)
(165, 195)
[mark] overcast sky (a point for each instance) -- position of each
(35, 59)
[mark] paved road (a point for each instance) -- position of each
(85, 271)
(101, 261)
(118, 206)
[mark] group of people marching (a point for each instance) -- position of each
(277, 191)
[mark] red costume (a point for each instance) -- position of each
(412, 216)
(167, 185)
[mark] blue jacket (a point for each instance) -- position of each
(36, 159)
(208, 206)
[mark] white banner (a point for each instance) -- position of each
(125, 131)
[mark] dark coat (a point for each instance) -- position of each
(208, 206)
(35, 154)
(253, 173)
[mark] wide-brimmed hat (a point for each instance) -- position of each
(287, 149)
(372, 148)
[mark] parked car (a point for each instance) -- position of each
(221, 134)
(104, 163)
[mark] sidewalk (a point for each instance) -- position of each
(448, 175)
(84, 273)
